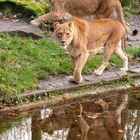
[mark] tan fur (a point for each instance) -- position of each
(99, 8)
(81, 37)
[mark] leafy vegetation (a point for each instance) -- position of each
(25, 6)
(129, 3)
(128, 7)
(24, 61)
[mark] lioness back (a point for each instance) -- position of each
(104, 30)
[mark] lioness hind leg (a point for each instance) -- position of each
(51, 16)
(123, 56)
(100, 70)
(109, 49)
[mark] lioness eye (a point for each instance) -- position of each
(59, 34)
(68, 34)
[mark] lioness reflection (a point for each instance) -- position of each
(88, 120)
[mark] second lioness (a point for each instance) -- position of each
(81, 37)
(84, 8)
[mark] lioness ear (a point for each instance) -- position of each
(66, 16)
(56, 25)
(70, 24)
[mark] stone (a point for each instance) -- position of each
(20, 27)
(135, 70)
(61, 83)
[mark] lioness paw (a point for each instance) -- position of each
(97, 72)
(71, 78)
(124, 69)
(34, 22)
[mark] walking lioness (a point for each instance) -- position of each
(81, 37)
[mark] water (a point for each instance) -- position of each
(90, 119)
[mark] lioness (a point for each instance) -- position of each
(81, 37)
(99, 8)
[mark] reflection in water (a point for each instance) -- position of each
(132, 125)
(58, 135)
(45, 113)
(93, 120)
(96, 121)
(21, 131)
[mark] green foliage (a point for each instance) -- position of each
(128, 3)
(34, 8)
(133, 50)
(128, 7)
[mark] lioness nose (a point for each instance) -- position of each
(62, 41)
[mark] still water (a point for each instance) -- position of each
(109, 118)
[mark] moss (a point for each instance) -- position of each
(35, 9)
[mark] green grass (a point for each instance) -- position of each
(24, 61)
(129, 7)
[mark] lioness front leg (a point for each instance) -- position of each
(47, 17)
(79, 66)
(74, 61)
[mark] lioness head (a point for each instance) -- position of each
(64, 33)
(46, 125)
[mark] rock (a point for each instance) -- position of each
(23, 28)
